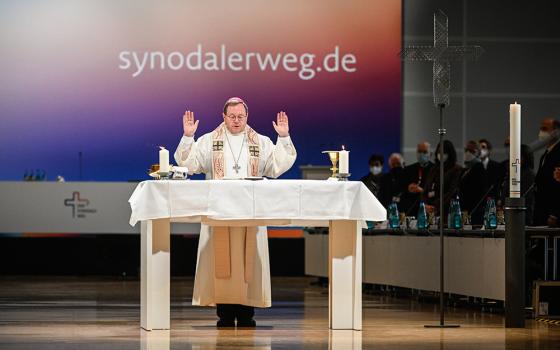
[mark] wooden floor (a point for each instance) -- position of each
(103, 313)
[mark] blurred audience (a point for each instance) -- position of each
(481, 177)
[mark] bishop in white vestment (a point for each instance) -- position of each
(232, 270)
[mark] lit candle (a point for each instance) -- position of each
(343, 157)
(163, 160)
(515, 150)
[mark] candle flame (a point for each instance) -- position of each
(343, 147)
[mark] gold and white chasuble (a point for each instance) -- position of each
(233, 265)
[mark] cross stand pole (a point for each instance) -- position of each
(442, 324)
(441, 54)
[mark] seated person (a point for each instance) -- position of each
(373, 179)
(392, 181)
(451, 178)
(415, 179)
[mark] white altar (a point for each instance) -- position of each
(342, 206)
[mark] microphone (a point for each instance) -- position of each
(413, 204)
(530, 189)
(482, 199)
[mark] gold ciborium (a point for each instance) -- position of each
(333, 156)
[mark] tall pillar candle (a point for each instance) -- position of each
(343, 161)
(163, 160)
(515, 150)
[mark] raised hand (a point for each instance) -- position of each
(189, 124)
(281, 125)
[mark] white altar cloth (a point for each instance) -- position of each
(343, 206)
(299, 201)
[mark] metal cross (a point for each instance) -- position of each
(236, 167)
(441, 55)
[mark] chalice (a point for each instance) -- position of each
(333, 156)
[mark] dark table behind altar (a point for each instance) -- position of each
(474, 259)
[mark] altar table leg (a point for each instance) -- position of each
(155, 274)
(155, 340)
(345, 275)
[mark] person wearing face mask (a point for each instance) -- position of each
(415, 179)
(482, 178)
(470, 189)
(451, 179)
(492, 172)
(373, 179)
(547, 181)
(472, 154)
(392, 182)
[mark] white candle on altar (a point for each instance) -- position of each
(343, 161)
(515, 150)
(163, 160)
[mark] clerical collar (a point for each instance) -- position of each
(234, 135)
(485, 162)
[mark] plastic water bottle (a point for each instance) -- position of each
(456, 215)
(422, 218)
(450, 214)
(394, 221)
(491, 219)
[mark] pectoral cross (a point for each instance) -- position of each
(236, 167)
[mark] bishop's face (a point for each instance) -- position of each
(235, 118)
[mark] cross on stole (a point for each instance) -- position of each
(254, 151)
(218, 146)
(441, 54)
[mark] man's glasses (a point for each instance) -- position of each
(233, 117)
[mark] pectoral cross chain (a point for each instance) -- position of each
(236, 167)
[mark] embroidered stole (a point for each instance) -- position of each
(221, 234)
(218, 160)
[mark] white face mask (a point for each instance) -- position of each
(543, 135)
(483, 153)
(376, 170)
(445, 156)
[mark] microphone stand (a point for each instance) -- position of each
(482, 199)
(442, 324)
